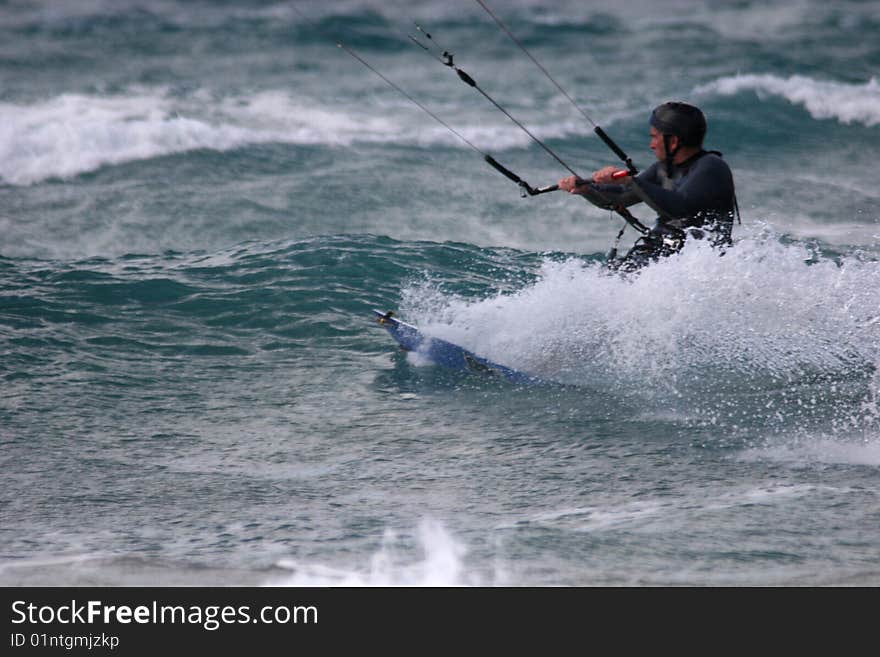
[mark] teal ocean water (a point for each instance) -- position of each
(202, 202)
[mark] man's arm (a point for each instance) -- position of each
(708, 186)
(606, 196)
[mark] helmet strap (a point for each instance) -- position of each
(670, 153)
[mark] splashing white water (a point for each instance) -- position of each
(763, 301)
(436, 559)
(769, 320)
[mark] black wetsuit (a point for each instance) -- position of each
(695, 199)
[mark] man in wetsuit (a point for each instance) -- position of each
(689, 188)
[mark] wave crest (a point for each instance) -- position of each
(847, 103)
(72, 134)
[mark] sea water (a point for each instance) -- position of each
(202, 202)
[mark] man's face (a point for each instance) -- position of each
(658, 146)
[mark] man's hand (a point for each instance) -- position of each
(610, 174)
(573, 185)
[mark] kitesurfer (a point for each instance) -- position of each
(690, 189)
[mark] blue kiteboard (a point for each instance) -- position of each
(445, 353)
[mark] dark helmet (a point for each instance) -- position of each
(684, 121)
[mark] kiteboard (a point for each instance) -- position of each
(447, 354)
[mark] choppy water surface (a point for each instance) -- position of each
(201, 204)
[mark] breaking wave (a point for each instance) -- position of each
(847, 103)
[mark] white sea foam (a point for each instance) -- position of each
(823, 99)
(784, 330)
(71, 134)
(437, 559)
